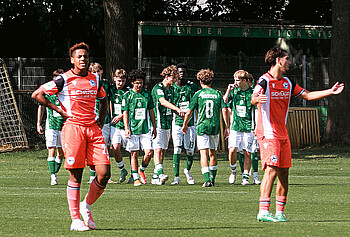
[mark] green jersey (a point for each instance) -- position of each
(116, 97)
(208, 102)
(242, 109)
(182, 97)
(163, 114)
(105, 84)
(53, 119)
(137, 105)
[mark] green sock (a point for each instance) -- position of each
(241, 161)
(213, 171)
(92, 173)
(51, 164)
(255, 162)
(206, 176)
(176, 164)
(189, 162)
(58, 163)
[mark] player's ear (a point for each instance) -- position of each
(71, 60)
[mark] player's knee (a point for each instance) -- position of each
(177, 150)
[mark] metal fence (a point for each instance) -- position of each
(27, 74)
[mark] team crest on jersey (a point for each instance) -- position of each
(274, 158)
(139, 104)
(160, 92)
(70, 160)
(92, 83)
(48, 86)
(285, 85)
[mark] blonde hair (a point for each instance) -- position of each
(94, 67)
(205, 76)
(241, 74)
(170, 71)
(120, 73)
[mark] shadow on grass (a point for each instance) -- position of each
(323, 221)
(182, 228)
(312, 185)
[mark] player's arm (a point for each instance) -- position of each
(258, 95)
(126, 123)
(186, 120)
(153, 121)
(336, 89)
(227, 93)
(226, 118)
(39, 128)
(102, 111)
(39, 96)
(169, 105)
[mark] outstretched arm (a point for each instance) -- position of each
(336, 89)
(169, 105)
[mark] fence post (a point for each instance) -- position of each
(304, 76)
(19, 83)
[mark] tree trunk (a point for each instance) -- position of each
(338, 129)
(118, 23)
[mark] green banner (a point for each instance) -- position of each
(238, 31)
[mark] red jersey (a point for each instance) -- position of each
(272, 115)
(77, 96)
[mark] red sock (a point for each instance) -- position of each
(94, 193)
(73, 196)
(265, 203)
(280, 203)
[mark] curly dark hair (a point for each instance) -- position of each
(81, 45)
(136, 74)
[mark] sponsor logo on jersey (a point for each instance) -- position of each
(208, 96)
(70, 160)
(92, 83)
(274, 158)
(280, 94)
(83, 92)
(49, 86)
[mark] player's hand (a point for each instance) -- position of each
(226, 133)
(180, 113)
(127, 133)
(230, 87)
(262, 98)
(64, 115)
(116, 119)
(337, 88)
(40, 129)
(154, 133)
(184, 129)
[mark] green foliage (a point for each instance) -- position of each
(316, 206)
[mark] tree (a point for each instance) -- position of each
(337, 129)
(118, 35)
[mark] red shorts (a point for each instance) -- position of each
(83, 144)
(274, 152)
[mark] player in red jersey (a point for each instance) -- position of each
(82, 140)
(272, 95)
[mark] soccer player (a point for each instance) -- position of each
(183, 92)
(106, 130)
(272, 95)
(241, 133)
(53, 126)
(208, 102)
(82, 139)
(162, 95)
(117, 125)
(138, 111)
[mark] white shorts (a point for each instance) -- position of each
(118, 136)
(145, 140)
(53, 138)
(106, 132)
(179, 138)
(207, 142)
(241, 140)
(162, 139)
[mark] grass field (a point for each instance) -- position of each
(318, 201)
